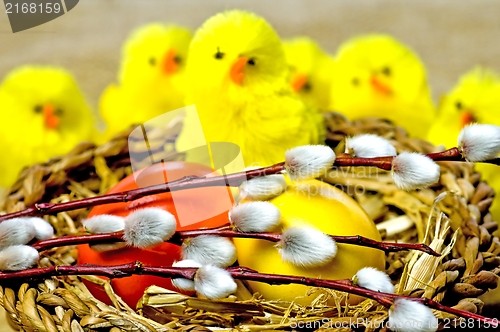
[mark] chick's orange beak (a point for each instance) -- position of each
(236, 72)
(298, 82)
(170, 66)
(51, 120)
(380, 87)
(466, 118)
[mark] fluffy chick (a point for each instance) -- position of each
(311, 71)
(376, 75)
(150, 79)
(44, 115)
(238, 79)
(475, 98)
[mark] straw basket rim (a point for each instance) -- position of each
(64, 303)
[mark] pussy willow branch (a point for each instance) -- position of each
(187, 182)
(133, 268)
(226, 231)
(230, 180)
(452, 154)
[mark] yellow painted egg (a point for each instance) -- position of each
(328, 209)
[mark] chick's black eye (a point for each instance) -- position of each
(458, 105)
(307, 87)
(177, 59)
(355, 81)
(219, 55)
(386, 71)
(38, 109)
(251, 62)
(152, 61)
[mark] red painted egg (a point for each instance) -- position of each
(193, 208)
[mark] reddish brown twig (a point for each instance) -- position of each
(226, 231)
(276, 237)
(232, 180)
(347, 286)
(187, 182)
(452, 154)
(126, 270)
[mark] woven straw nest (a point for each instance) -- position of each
(458, 225)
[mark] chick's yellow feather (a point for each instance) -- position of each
(237, 79)
(376, 75)
(44, 115)
(311, 71)
(475, 98)
(150, 79)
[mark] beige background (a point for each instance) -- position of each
(451, 36)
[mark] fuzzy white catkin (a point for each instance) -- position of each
(183, 283)
(209, 249)
(255, 216)
(263, 188)
(18, 258)
(376, 280)
(213, 282)
(308, 161)
(410, 316)
(16, 231)
(306, 247)
(479, 142)
(104, 223)
(369, 146)
(149, 227)
(43, 230)
(411, 170)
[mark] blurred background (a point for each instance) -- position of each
(450, 36)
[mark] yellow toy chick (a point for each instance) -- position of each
(44, 115)
(238, 80)
(376, 75)
(311, 71)
(475, 98)
(150, 79)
